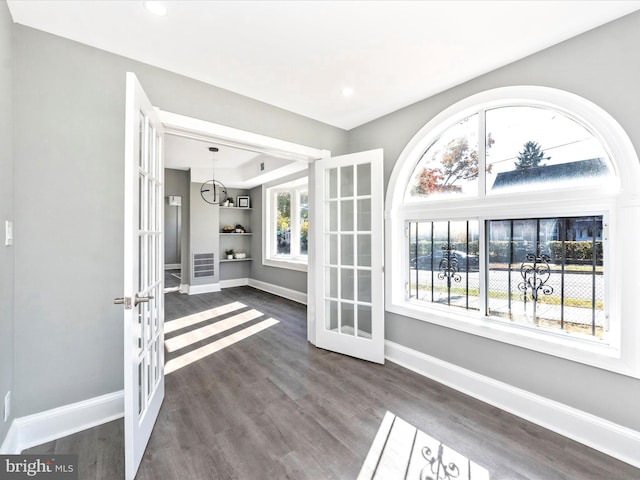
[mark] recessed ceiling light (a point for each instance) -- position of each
(156, 8)
(347, 91)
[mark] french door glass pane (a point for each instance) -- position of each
(364, 321)
(346, 283)
(347, 318)
(364, 179)
(364, 285)
(346, 181)
(346, 215)
(346, 249)
(332, 182)
(364, 250)
(364, 215)
(331, 246)
(331, 315)
(332, 282)
(332, 212)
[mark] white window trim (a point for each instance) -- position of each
(269, 257)
(622, 352)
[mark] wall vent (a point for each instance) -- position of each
(203, 265)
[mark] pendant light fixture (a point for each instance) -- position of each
(213, 191)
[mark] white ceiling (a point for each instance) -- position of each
(299, 55)
(234, 167)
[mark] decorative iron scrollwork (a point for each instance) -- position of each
(449, 266)
(436, 469)
(535, 273)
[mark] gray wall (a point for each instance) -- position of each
(6, 210)
(69, 141)
(203, 234)
(603, 66)
(176, 182)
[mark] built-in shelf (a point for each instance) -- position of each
(226, 260)
(236, 208)
(231, 234)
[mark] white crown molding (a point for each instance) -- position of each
(603, 435)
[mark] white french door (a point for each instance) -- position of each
(144, 275)
(348, 223)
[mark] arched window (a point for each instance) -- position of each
(505, 221)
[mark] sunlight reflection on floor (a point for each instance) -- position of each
(400, 450)
(199, 317)
(202, 333)
(213, 347)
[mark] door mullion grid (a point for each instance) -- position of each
(339, 246)
(355, 248)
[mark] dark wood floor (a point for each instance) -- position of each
(272, 406)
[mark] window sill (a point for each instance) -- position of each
(582, 350)
(300, 266)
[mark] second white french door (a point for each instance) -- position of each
(348, 225)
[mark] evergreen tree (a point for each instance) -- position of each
(530, 156)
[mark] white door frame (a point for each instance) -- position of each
(189, 127)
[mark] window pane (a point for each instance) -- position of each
(548, 272)
(449, 167)
(444, 263)
(364, 179)
(530, 148)
(283, 223)
(346, 181)
(304, 222)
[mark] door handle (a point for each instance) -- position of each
(126, 301)
(138, 299)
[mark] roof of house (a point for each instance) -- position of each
(593, 167)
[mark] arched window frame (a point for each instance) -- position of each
(617, 201)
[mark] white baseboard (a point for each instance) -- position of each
(198, 289)
(172, 266)
(610, 438)
(234, 282)
(10, 445)
(39, 428)
(184, 288)
(294, 295)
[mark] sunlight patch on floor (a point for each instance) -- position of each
(202, 333)
(213, 347)
(199, 317)
(400, 450)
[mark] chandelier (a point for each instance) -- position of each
(213, 191)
